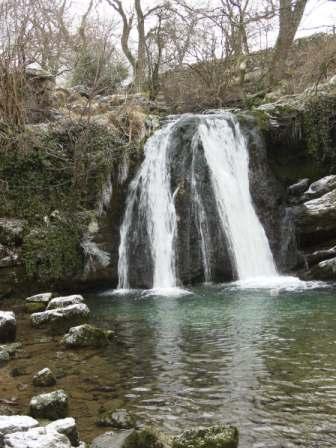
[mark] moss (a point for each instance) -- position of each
(214, 437)
(53, 252)
(35, 307)
(146, 438)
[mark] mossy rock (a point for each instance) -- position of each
(87, 336)
(145, 438)
(222, 436)
(35, 307)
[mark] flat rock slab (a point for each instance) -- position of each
(62, 302)
(7, 326)
(16, 423)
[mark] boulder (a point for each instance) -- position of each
(44, 378)
(119, 419)
(62, 302)
(60, 320)
(7, 326)
(37, 303)
(215, 437)
(52, 406)
(68, 427)
(87, 336)
(15, 423)
(36, 438)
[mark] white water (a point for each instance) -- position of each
(156, 205)
(227, 157)
(226, 154)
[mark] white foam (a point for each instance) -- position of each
(277, 284)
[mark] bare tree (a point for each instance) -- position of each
(290, 16)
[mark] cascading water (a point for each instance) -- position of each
(151, 204)
(227, 157)
(151, 187)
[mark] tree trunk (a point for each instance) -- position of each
(290, 16)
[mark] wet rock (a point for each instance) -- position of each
(62, 302)
(53, 405)
(321, 187)
(316, 219)
(44, 378)
(12, 348)
(7, 326)
(320, 255)
(37, 303)
(14, 423)
(299, 187)
(214, 437)
(4, 357)
(324, 270)
(119, 419)
(68, 427)
(60, 320)
(36, 438)
(112, 439)
(87, 336)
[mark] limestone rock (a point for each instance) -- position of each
(62, 302)
(299, 187)
(321, 187)
(52, 406)
(68, 427)
(60, 320)
(7, 326)
(214, 437)
(44, 378)
(87, 336)
(36, 438)
(15, 423)
(37, 303)
(324, 270)
(119, 419)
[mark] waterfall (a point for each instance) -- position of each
(151, 187)
(151, 204)
(227, 157)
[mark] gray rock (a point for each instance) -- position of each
(11, 349)
(112, 439)
(299, 187)
(62, 302)
(11, 230)
(36, 438)
(60, 320)
(68, 427)
(4, 357)
(215, 437)
(7, 326)
(321, 187)
(53, 405)
(119, 419)
(87, 336)
(15, 423)
(40, 298)
(44, 378)
(324, 270)
(320, 255)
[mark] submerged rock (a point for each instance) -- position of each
(130, 438)
(87, 336)
(214, 437)
(7, 326)
(36, 438)
(62, 302)
(68, 427)
(112, 439)
(44, 378)
(119, 419)
(52, 406)
(60, 320)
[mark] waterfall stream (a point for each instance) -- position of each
(151, 204)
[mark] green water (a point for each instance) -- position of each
(264, 362)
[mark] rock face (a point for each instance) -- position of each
(44, 378)
(60, 320)
(52, 406)
(87, 336)
(7, 326)
(215, 437)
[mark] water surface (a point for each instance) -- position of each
(263, 360)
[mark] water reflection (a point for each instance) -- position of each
(264, 363)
